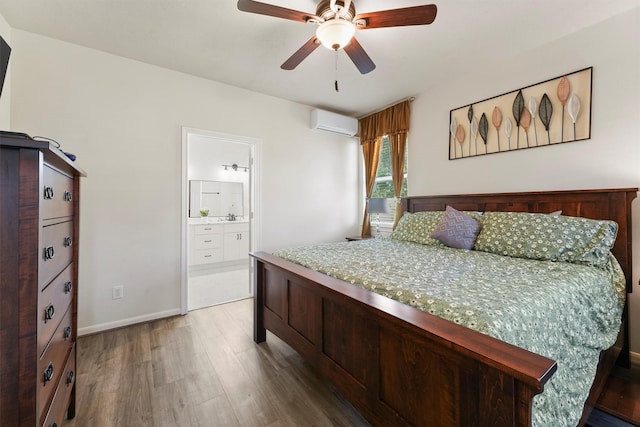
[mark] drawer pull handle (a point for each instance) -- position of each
(48, 373)
(68, 286)
(67, 241)
(207, 241)
(207, 228)
(70, 377)
(67, 196)
(208, 256)
(48, 193)
(67, 333)
(49, 312)
(48, 253)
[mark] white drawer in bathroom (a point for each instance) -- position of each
(207, 241)
(206, 256)
(207, 229)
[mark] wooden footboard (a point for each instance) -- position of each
(397, 365)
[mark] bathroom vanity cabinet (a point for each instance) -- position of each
(211, 243)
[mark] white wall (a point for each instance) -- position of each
(5, 98)
(123, 120)
(611, 158)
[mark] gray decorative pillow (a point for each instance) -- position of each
(457, 230)
(547, 237)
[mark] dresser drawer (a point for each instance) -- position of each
(51, 364)
(60, 403)
(207, 229)
(56, 250)
(57, 194)
(208, 241)
(52, 305)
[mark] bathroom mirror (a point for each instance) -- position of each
(219, 197)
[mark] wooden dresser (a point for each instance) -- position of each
(39, 213)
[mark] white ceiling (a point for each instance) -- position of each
(212, 39)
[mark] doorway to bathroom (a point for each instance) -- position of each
(219, 221)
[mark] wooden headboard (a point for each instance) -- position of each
(612, 204)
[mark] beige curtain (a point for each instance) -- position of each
(371, 154)
(393, 122)
(398, 144)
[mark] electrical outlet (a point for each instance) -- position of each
(117, 292)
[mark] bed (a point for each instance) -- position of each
(402, 366)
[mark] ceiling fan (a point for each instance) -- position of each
(337, 23)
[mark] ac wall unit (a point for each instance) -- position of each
(332, 122)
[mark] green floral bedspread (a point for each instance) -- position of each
(567, 312)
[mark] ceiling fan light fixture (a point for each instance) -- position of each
(336, 33)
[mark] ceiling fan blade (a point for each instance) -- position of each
(359, 57)
(416, 15)
(301, 54)
(277, 11)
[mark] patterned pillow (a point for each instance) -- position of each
(417, 227)
(547, 237)
(457, 230)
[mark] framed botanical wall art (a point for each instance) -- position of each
(547, 113)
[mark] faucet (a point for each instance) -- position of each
(231, 217)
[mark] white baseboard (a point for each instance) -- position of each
(126, 322)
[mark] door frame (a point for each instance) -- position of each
(255, 201)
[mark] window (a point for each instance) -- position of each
(383, 186)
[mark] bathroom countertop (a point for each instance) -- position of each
(221, 220)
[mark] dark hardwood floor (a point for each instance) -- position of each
(619, 404)
(203, 369)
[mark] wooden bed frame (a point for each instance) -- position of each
(400, 366)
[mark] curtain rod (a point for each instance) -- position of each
(409, 98)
